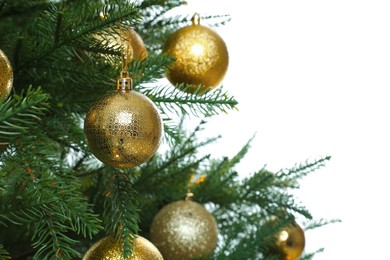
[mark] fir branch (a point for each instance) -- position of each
(291, 176)
(263, 189)
(84, 19)
(121, 212)
(51, 231)
(301, 170)
(4, 255)
(180, 102)
(147, 4)
(309, 256)
(220, 186)
(20, 113)
(172, 133)
(320, 223)
(50, 208)
(21, 7)
(57, 34)
(149, 70)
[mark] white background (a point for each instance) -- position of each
(312, 79)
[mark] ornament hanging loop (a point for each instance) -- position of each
(195, 19)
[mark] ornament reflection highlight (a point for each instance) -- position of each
(197, 50)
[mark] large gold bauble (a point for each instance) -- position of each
(201, 57)
(184, 230)
(129, 41)
(290, 242)
(123, 129)
(6, 77)
(108, 249)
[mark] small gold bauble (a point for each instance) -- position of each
(129, 41)
(108, 249)
(201, 57)
(6, 77)
(123, 129)
(289, 242)
(184, 230)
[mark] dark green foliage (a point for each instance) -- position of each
(56, 198)
(3, 253)
(21, 113)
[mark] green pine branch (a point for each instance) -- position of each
(22, 112)
(50, 206)
(174, 100)
(11, 8)
(320, 223)
(309, 256)
(292, 175)
(4, 255)
(56, 28)
(121, 211)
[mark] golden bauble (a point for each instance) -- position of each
(184, 230)
(201, 57)
(108, 249)
(123, 129)
(125, 36)
(6, 77)
(290, 242)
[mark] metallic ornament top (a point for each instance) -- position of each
(290, 241)
(6, 77)
(201, 57)
(184, 230)
(108, 249)
(124, 127)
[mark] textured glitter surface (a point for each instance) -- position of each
(6, 77)
(291, 242)
(201, 57)
(184, 230)
(108, 249)
(123, 129)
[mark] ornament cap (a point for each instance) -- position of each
(189, 195)
(124, 83)
(195, 19)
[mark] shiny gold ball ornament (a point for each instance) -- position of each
(290, 242)
(108, 249)
(6, 77)
(123, 128)
(184, 230)
(201, 57)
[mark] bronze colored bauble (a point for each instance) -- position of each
(184, 230)
(290, 242)
(129, 41)
(123, 128)
(201, 57)
(6, 77)
(108, 249)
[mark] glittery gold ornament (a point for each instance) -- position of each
(289, 242)
(107, 248)
(184, 230)
(6, 77)
(130, 42)
(124, 127)
(201, 57)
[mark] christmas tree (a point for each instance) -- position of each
(68, 180)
